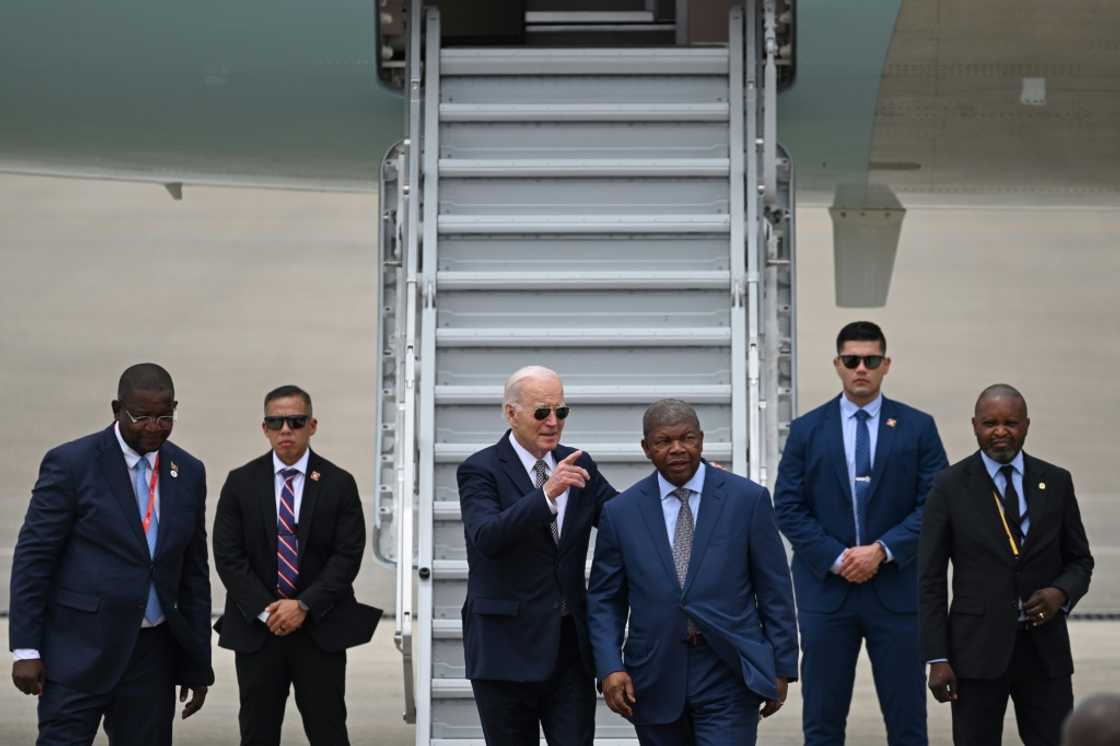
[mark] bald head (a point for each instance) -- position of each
(529, 374)
(1095, 722)
(1000, 391)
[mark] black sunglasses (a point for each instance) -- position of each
(295, 421)
(871, 362)
(541, 413)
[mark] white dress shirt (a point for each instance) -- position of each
(671, 505)
(131, 458)
(528, 460)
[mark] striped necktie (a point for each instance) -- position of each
(153, 612)
(287, 546)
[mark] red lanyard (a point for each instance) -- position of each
(153, 482)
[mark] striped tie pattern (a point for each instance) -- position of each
(287, 546)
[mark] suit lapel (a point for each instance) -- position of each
(116, 475)
(654, 518)
(834, 431)
(265, 483)
(980, 497)
(512, 465)
(883, 445)
(1033, 476)
(308, 501)
(711, 506)
(168, 497)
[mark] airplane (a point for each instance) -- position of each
(894, 104)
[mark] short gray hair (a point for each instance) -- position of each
(512, 392)
(668, 412)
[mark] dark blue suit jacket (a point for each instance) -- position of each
(511, 617)
(737, 591)
(81, 569)
(813, 502)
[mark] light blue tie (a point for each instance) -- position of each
(152, 611)
(863, 471)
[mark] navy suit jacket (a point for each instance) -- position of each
(813, 502)
(81, 569)
(511, 617)
(737, 592)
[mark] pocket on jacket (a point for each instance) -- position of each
(495, 606)
(637, 652)
(76, 600)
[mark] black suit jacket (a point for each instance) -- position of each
(977, 633)
(332, 535)
(518, 575)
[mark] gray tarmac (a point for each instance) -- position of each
(375, 700)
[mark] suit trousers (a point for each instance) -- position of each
(830, 648)
(138, 710)
(719, 710)
(319, 680)
(514, 712)
(1041, 702)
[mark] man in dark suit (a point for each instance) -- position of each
(1010, 524)
(691, 556)
(110, 594)
(528, 506)
(288, 542)
(851, 485)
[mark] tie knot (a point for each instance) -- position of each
(540, 467)
(1007, 470)
(862, 415)
(681, 493)
(288, 473)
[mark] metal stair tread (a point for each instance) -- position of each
(602, 451)
(583, 280)
(718, 223)
(585, 112)
(583, 167)
(579, 61)
(630, 393)
(683, 336)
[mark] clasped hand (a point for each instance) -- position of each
(859, 564)
(285, 616)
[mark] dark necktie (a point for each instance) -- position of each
(540, 476)
(682, 542)
(863, 471)
(287, 546)
(1011, 505)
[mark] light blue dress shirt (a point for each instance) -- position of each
(671, 506)
(849, 422)
(1000, 481)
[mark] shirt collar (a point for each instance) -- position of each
(131, 457)
(696, 484)
(848, 408)
(994, 466)
(300, 466)
(528, 460)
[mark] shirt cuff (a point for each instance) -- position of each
(263, 616)
(938, 660)
(551, 505)
(25, 654)
(836, 565)
(890, 555)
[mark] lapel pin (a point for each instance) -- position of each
(1042, 485)
(174, 470)
(314, 476)
(892, 422)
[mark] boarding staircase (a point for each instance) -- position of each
(623, 216)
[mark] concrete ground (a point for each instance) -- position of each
(376, 699)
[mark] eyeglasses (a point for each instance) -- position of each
(542, 413)
(163, 421)
(871, 362)
(295, 421)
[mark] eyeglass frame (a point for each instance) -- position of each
(162, 421)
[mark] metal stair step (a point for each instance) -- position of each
(583, 112)
(596, 394)
(715, 336)
(600, 224)
(626, 61)
(453, 453)
(583, 167)
(585, 280)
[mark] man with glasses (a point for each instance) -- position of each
(288, 541)
(528, 506)
(851, 486)
(110, 592)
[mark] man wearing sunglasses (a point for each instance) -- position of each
(851, 486)
(110, 594)
(528, 506)
(288, 540)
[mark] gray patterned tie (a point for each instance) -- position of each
(540, 476)
(682, 542)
